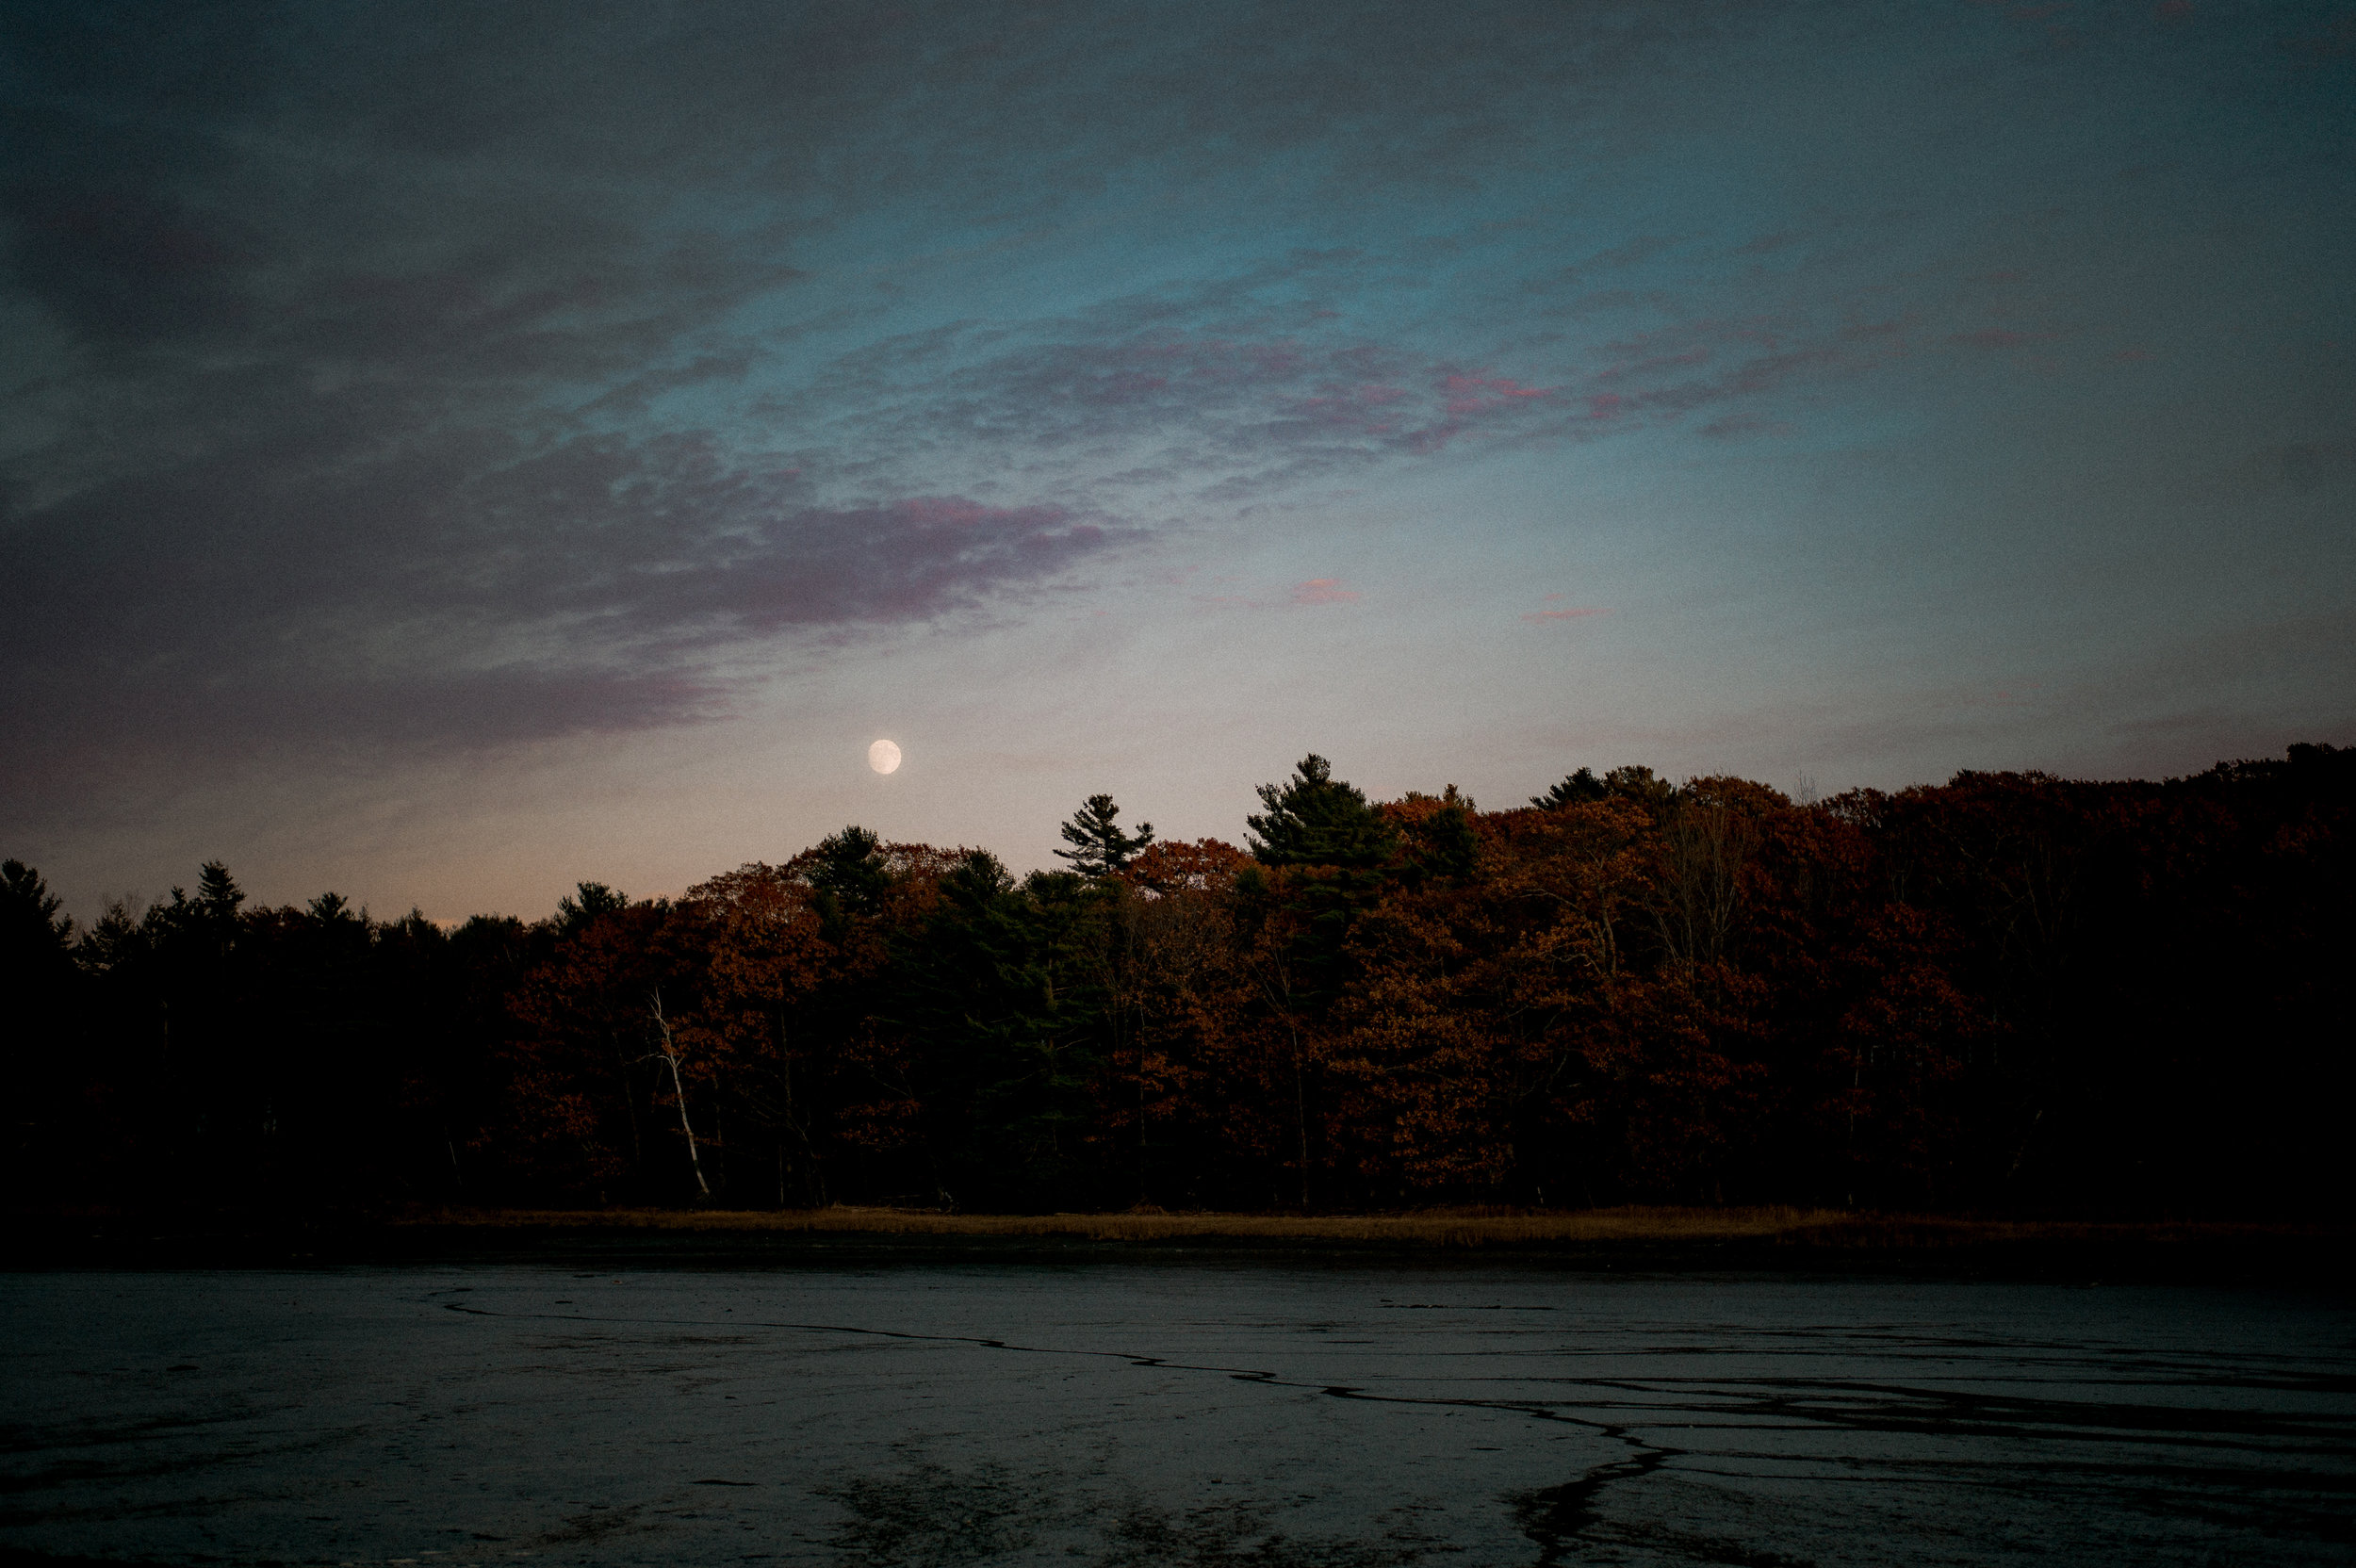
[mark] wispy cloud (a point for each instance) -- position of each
(459, 375)
(482, 377)
(1323, 590)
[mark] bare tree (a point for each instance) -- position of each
(1705, 845)
(667, 1051)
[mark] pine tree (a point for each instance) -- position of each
(1632, 781)
(1100, 848)
(1314, 819)
(1577, 787)
(28, 911)
(850, 876)
(217, 894)
(595, 899)
(1003, 1000)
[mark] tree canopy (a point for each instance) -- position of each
(2008, 992)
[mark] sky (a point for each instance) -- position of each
(449, 452)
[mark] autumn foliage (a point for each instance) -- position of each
(2010, 992)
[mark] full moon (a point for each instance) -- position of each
(883, 756)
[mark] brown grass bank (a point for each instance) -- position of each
(1834, 1228)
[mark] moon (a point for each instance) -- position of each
(883, 756)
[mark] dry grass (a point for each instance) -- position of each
(1446, 1228)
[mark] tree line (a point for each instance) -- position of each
(2012, 992)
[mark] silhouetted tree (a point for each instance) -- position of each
(1578, 786)
(1100, 847)
(587, 903)
(1314, 819)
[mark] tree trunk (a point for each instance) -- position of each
(679, 1091)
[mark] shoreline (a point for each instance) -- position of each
(1442, 1227)
(1624, 1240)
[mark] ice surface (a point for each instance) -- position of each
(1199, 1413)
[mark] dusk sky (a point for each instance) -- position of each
(449, 452)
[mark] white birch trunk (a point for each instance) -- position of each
(679, 1091)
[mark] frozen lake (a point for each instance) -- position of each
(1198, 1412)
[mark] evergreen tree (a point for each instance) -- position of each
(217, 891)
(335, 910)
(1439, 841)
(1340, 851)
(29, 922)
(850, 874)
(1635, 782)
(998, 994)
(1632, 781)
(1098, 847)
(43, 1060)
(1314, 819)
(595, 899)
(217, 897)
(1577, 787)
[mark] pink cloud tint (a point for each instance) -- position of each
(1466, 399)
(1479, 394)
(1323, 590)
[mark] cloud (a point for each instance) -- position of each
(908, 559)
(1572, 613)
(1323, 590)
(478, 376)
(1235, 387)
(130, 267)
(1121, 382)
(474, 591)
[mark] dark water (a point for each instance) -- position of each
(1243, 1413)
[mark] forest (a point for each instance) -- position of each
(2012, 993)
